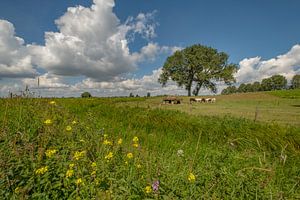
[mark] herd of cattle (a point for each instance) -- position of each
(203, 100)
(176, 100)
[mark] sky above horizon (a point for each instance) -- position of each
(113, 48)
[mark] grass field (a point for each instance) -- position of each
(277, 106)
(135, 148)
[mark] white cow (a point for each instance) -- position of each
(210, 100)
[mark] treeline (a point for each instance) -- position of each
(276, 82)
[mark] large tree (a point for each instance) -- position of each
(199, 65)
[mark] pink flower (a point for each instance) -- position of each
(155, 186)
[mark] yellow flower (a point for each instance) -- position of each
(41, 170)
(135, 145)
(148, 189)
(50, 152)
(126, 162)
(93, 173)
(107, 142)
(52, 102)
(191, 177)
(74, 122)
(71, 165)
(129, 155)
(120, 141)
(68, 128)
(109, 156)
(78, 181)
(69, 173)
(79, 154)
(139, 166)
(94, 164)
(17, 190)
(135, 139)
(48, 122)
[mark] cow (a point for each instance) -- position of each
(197, 100)
(210, 100)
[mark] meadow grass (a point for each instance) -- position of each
(281, 107)
(78, 154)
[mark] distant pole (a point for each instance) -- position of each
(256, 114)
(38, 87)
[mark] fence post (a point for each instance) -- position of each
(256, 114)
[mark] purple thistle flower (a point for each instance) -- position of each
(155, 185)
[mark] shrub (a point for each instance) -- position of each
(86, 95)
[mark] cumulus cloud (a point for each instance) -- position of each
(15, 60)
(256, 69)
(92, 42)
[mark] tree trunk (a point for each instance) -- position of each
(197, 89)
(189, 91)
(189, 87)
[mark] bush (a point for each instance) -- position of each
(86, 95)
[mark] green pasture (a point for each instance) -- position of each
(198, 151)
(281, 107)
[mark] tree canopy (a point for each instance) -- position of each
(296, 81)
(200, 66)
(86, 95)
(275, 82)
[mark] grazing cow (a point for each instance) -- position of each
(204, 100)
(192, 100)
(172, 100)
(197, 100)
(210, 100)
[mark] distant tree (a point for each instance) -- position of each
(229, 90)
(225, 91)
(242, 88)
(248, 87)
(296, 81)
(137, 95)
(266, 84)
(232, 89)
(275, 82)
(256, 86)
(86, 95)
(148, 94)
(279, 82)
(131, 95)
(199, 65)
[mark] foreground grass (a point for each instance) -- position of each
(80, 154)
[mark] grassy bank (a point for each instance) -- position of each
(79, 154)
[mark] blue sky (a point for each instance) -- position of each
(243, 29)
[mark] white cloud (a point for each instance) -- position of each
(147, 83)
(143, 24)
(93, 43)
(15, 60)
(45, 81)
(255, 69)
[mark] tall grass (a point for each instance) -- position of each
(231, 158)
